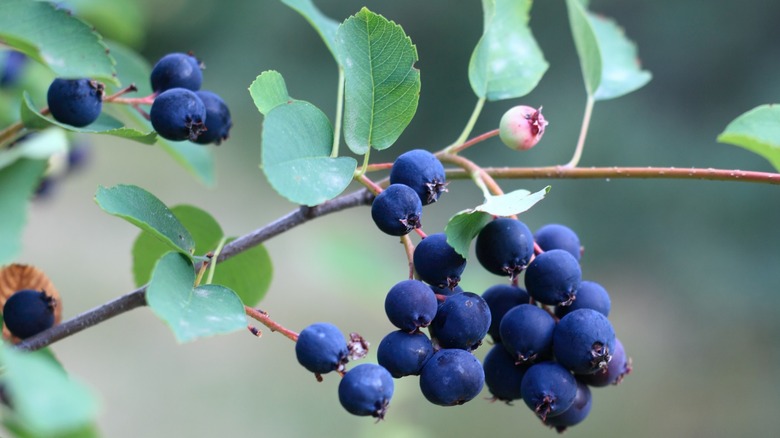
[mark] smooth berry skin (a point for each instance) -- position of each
(616, 370)
(12, 68)
(76, 102)
(423, 172)
(548, 389)
(451, 377)
(500, 299)
(437, 263)
(397, 210)
(446, 291)
(404, 354)
(505, 247)
(557, 236)
(502, 376)
(553, 278)
(410, 304)
(28, 312)
(584, 341)
(321, 348)
(218, 121)
(176, 70)
(462, 321)
(366, 390)
(521, 127)
(178, 114)
(577, 412)
(590, 295)
(527, 333)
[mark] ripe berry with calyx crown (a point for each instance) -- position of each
(521, 127)
(176, 70)
(553, 278)
(28, 312)
(437, 263)
(576, 412)
(505, 246)
(77, 102)
(366, 390)
(423, 172)
(218, 121)
(410, 304)
(462, 321)
(404, 354)
(397, 210)
(178, 114)
(321, 348)
(451, 377)
(548, 389)
(584, 341)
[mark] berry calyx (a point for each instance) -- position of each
(423, 172)
(29, 312)
(178, 114)
(397, 210)
(77, 102)
(218, 121)
(366, 390)
(521, 127)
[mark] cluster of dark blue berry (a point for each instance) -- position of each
(28, 312)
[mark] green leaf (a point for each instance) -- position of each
(192, 312)
(148, 213)
(147, 249)
(757, 130)
(104, 124)
(323, 24)
(297, 141)
(382, 87)
(507, 62)
(512, 203)
(40, 146)
(609, 60)
(52, 36)
(120, 20)
(269, 91)
(248, 274)
(46, 401)
(17, 184)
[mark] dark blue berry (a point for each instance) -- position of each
(618, 367)
(590, 295)
(12, 68)
(176, 70)
(423, 172)
(446, 291)
(218, 121)
(500, 298)
(548, 389)
(410, 304)
(505, 246)
(451, 377)
(178, 114)
(397, 210)
(584, 341)
(28, 312)
(527, 333)
(557, 236)
(553, 278)
(77, 102)
(576, 412)
(366, 390)
(321, 348)
(404, 354)
(437, 263)
(462, 321)
(502, 376)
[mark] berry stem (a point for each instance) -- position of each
(583, 133)
(133, 101)
(274, 326)
(409, 247)
(370, 185)
(9, 134)
(334, 151)
(467, 130)
(213, 266)
(129, 89)
(378, 166)
(473, 170)
(471, 142)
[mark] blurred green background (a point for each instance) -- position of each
(692, 267)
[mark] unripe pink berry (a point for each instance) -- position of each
(522, 127)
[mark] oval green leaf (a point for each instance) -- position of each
(297, 141)
(323, 24)
(757, 130)
(18, 181)
(382, 87)
(148, 213)
(269, 91)
(248, 274)
(54, 37)
(512, 203)
(507, 62)
(192, 312)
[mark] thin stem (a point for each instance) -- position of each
(201, 271)
(583, 133)
(274, 326)
(472, 169)
(129, 89)
(8, 134)
(475, 140)
(469, 126)
(334, 152)
(364, 167)
(409, 247)
(370, 185)
(378, 166)
(213, 267)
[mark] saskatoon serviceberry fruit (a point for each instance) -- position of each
(176, 70)
(521, 127)
(446, 291)
(397, 210)
(500, 298)
(422, 171)
(366, 390)
(576, 412)
(29, 312)
(218, 121)
(584, 341)
(404, 354)
(590, 295)
(410, 304)
(527, 333)
(557, 236)
(553, 278)
(437, 263)
(77, 102)
(548, 389)
(462, 321)
(178, 114)
(321, 348)
(451, 377)
(505, 246)
(502, 377)
(618, 367)
(12, 68)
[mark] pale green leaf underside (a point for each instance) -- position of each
(512, 203)
(37, 147)
(192, 312)
(59, 40)
(382, 87)
(17, 184)
(269, 91)
(757, 130)
(507, 62)
(323, 24)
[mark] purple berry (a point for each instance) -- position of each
(176, 70)
(76, 102)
